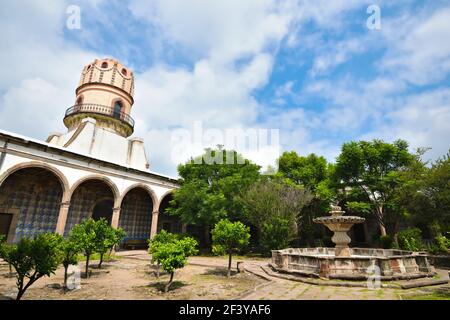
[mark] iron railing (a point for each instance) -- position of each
(102, 110)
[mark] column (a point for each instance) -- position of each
(62, 217)
(115, 218)
(154, 228)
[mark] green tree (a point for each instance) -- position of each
(173, 255)
(274, 207)
(372, 169)
(84, 235)
(313, 173)
(119, 235)
(33, 259)
(153, 244)
(232, 236)
(69, 251)
(105, 238)
(209, 188)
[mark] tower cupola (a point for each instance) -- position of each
(105, 93)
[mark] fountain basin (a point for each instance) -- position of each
(359, 265)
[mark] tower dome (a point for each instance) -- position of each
(105, 93)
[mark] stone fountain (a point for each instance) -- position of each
(340, 225)
(343, 262)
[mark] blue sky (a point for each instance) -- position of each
(311, 69)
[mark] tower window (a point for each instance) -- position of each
(80, 100)
(118, 106)
(124, 72)
(105, 65)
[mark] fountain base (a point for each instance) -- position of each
(360, 264)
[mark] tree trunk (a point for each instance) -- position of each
(207, 237)
(166, 288)
(382, 230)
(229, 265)
(101, 261)
(20, 294)
(157, 270)
(87, 266)
(65, 277)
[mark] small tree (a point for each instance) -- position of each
(160, 238)
(84, 236)
(105, 238)
(173, 255)
(33, 259)
(231, 236)
(69, 251)
(119, 235)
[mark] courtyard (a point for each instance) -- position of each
(129, 275)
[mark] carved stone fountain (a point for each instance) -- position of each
(340, 225)
(343, 262)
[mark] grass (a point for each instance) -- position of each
(96, 256)
(436, 294)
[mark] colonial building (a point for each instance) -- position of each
(95, 169)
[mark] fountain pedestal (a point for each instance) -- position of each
(340, 225)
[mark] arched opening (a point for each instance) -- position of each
(136, 217)
(92, 198)
(165, 221)
(124, 72)
(105, 65)
(80, 100)
(118, 106)
(103, 209)
(30, 200)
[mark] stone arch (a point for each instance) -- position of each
(37, 164)
(84, 196)
(165, 221)
(149, 190)
(31, 194)
(136, 214)
(106, 180)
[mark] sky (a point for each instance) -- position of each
(314, 70)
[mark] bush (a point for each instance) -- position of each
(69, 252)
(33, 259)
(442, 243)
(84, 236)
(173, 254)
(410, 239)
(274, 234)
(386, 242)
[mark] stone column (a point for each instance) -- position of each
(154, 228)
(62, 217)
(115, 218)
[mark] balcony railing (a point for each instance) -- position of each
(102, 110)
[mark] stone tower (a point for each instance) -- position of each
(99, 123)
(105, 93)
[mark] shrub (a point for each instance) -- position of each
(443, 244)
(173, 254)
(410, 239)
(274, 234)
(153, 244)
(386, 242)
(231, 236)
(84, 236)
(33, 259)
(105, 238)
(69, 252)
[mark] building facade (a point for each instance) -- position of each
(95, 169)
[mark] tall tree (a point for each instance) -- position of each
(373, 169)
(209, 185)
(275, 207)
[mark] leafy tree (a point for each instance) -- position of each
(105, 238)
(313, 173)
(274, 207)
(372, 169)
(69, 251)
(33, 259)
(119, 235)
(208, 190)
(232, 236)
(153, 244)
(84, 235)
(173, 255)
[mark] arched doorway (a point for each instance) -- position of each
(30, 200)
(103, 209)
(118, 106)
(91, 198)
(165, 221)
(136, 216)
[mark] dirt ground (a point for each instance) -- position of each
(133, 278)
